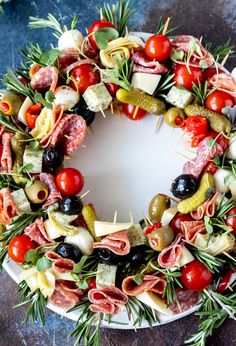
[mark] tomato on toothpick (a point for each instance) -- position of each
(32, 115)
(19, 246)
(231, 219)
(196, 276)
(158, 47)
(219, 99)
(84, 76)
(69, 181)
(134, 113)
(210, 72)
(95, 27)
(187, 76)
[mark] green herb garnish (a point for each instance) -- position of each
(104, 35)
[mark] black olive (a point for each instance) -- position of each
(82, 109)
(69, 251)
(52, 160)
(137, 255)
(71, 205)
(184, 186)
(108, 257)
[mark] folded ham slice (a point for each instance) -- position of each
(169, 256)
(191, 229)
(117, 242)
(45, 78)
(65, 295)
(6, 157)
(150, 283)
(224, 82)
(143, 64)
(37, 232)
(7, 206)
(60, 264)
(107, 300)
(207, 208)
(184, 300)
(54, 195)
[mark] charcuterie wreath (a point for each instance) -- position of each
(178, 258)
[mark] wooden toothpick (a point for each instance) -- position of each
(186, 157)
(166, 26)
(84, 194)
(208, 294)
(83, 146)
(147, 219)
(66, 136)
(229, 256)
(131, 217)
(112, 108)
(102, 111)
(135, 112)
(157, 124)
(174, 199)
(223, 62)
(115, 217)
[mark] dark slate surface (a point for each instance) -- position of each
(216, 20)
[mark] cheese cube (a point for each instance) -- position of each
(21, 201)
(146, 82)
(136, 236)
(155, 302)
(179, 97)
(103, 228)
(34, 157)
(106, 276)
(97, 97)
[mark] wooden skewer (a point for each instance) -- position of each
(66, 136)
(166, 26)
(131, 217)
(172, 180)
(112, 108)
(101, 15)
(157, 124)
(83, 146)
(223, 61)
(174, 199)
(102, 111)
(115, 217)
(229, 256)
(135, 112)
(208, 294)
(186, 157)
(145, 220)
(149, 221)
(84, 194)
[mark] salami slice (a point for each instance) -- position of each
(7, 206)
(45, 78)
(60, 264)
(6, 158)
(90, 52)
(184, 300)
(37, 232)
(143, 64)
(69, 133)
(106, 308)
(169, 256)
(224, 82)
(150, 283)
(71, 286)
(204, 154)
(78, 63)
(54, 195)
(117, 242)
(63, 298)
(207, 208)
(191, 229)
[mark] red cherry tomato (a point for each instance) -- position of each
(184, 78)
(95, 27)
(224, 281)
(69, 181)
(92, 283)
(84, 76)
(19, 246)
(158, 47)
(129, 111)
(175, 223)
(196, 276)
(231, 220)
(220, 139)
(198, 127)
(217, 100)
(112, 88)
(210, 72)
(32, 115)
(211, 167)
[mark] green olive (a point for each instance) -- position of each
(157, 206)
(174, 117)
(37, 192)
(10, 104)
(160, 238)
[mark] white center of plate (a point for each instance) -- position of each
(125, 163)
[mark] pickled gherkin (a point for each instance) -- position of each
(18, 148)
(149, 103)
(90, 216)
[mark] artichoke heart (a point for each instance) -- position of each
(61, 223)
(46, 283)
(44, 123)
(224, 242)
(118, 48)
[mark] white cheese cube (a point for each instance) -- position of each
(97, 97)
(34, 157)
(66, 96)
(21, 201)
(179, 97)
(168, 215)
(102, 228)
(136, 236)
(146, 82)
(106, 276)
(231, 151)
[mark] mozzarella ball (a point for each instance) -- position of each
(70, 39)
(66, 96)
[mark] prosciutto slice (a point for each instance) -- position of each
(204, 154)
(169, 256)
(60, 264)
(182, 43)
(54, 195)
(37, 232)
(65, 295)
(7, 206)
(117, 242)
(45, 78)
(184, 300)
(224, 82)
(191, 229)
(150, 283)
(6, 157)
(107, 300)
(143, 64)
(207, 208)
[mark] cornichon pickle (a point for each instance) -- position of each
(190, 204)
(218, 122)
(90, 216)
(18, 148)
(11, 104)
(160, 238)
(137, 98)
(157, 206)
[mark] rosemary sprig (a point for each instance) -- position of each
(84, 270)
(201, 92)
(36, 302)
(161, 26)
(8, 125)
(34, 54)
(165, 84)
(139, 312)
(118, 14)
(120, 75)
(50, 22)
(213, 263)
(221, 51)
(11, 81)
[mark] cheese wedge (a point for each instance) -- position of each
(104, 228)
(154, 301)
(146, 82)
(21, 201)
(168, 215)
(23, 110)
(106, 276)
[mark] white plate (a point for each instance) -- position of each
(125, 163)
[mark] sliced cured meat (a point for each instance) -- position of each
(117, 242)
(191, 229)
(207, 208)
(150, 283)
(184, 300)
(71, 286)
(204, 154)
(60, 264)
(7, 206)
(45, 78)
(54, 195)
(68, 57)
(78, 63)
(182, 43)
(6, 158)
(106, 308)
(169, 256)
(143, 64)
(37, 232)
(224, 82)
(69, 134)
(63, 298)
(57, 114)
